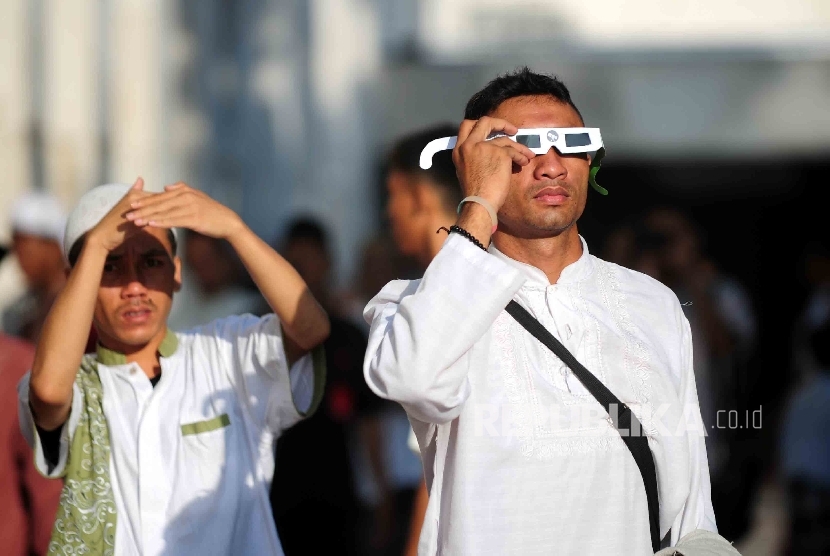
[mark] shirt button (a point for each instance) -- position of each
(132, 371)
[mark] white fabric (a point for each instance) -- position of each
(192, 307)
(39, 214)
(701, 543)
(91, 208)
(518, 457)
(204, 493)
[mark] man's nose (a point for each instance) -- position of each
(133, 283)
(549, 166)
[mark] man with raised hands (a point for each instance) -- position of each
(520, 456)
(165, 438)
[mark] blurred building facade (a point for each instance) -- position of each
(280, 106)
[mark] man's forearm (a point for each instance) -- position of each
(302, 318)
(63, 339)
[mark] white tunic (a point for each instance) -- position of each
(519, 458)
(185, 479)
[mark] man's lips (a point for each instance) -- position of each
(136, 315)
(552, 195)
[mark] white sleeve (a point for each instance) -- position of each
(697, 512)
(29, 430)
(422, 331)
(274, 396)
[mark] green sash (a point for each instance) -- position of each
(85, 523)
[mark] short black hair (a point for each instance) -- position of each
(519, 83)
(307, 228)
(405, 156)
(75, 251)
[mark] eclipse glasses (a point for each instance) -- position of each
(567, 140)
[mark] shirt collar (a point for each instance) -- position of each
(574, 272)
(109, 357)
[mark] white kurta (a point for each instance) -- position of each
(518, 456)
(185, 479)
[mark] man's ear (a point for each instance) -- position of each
(177, 274)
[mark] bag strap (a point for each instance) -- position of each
(634, 438)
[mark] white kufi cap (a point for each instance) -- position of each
(90, 210)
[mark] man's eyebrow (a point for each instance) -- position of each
(113, 258)
(156, 253)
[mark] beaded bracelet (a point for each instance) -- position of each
(464, 233)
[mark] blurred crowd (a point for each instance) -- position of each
(346, 480)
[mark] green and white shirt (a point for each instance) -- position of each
(191, 460)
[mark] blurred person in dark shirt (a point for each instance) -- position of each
(716, 305)
(313, 494)
(816, 267)
(37, 221)
(212, 286)
(419, 203)
(670, 249)
(29, 501)
(805, 453)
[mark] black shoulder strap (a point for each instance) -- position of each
(633, 437)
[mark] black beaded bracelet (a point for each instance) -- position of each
(464, 233)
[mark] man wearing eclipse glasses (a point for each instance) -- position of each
(552, 393)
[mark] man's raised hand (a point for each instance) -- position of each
(114, 227)
(181, 206)
(484, 167)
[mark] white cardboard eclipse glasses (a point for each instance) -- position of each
(567, 140)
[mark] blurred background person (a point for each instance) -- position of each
(620, 246)
(379, 262)
(805, 453)
(213, 286)
(314, 497)
(670, 248)
(816, 309)
(29, 501)
(37, 223)
(420, 202)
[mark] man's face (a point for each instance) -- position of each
(38, 258)
(404, 212)
(548, 195)
(136, 291)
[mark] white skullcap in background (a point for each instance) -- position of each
(38, 214)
